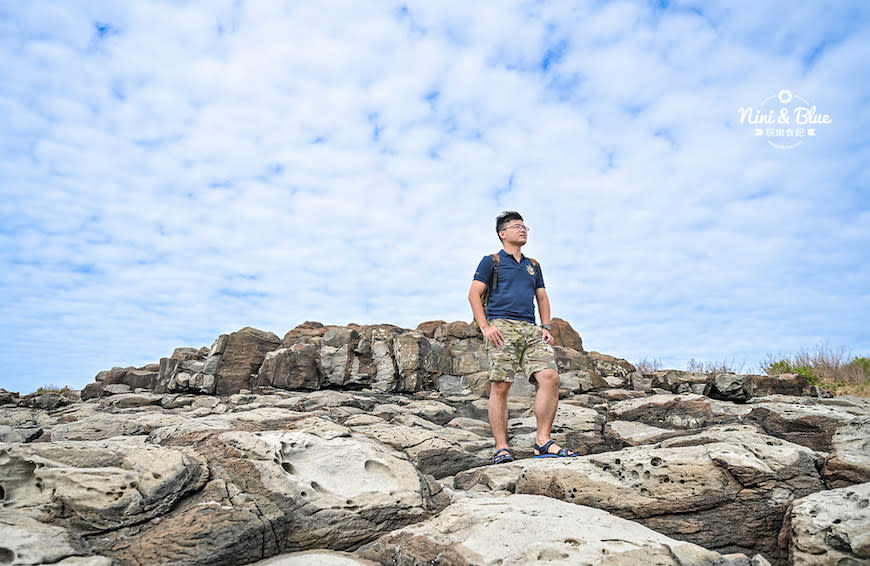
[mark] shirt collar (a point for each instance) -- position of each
(504, 254)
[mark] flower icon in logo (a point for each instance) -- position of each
(784, 96)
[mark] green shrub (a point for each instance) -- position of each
(777, 367)
(825, 367)
(808, 373)
(52, 389)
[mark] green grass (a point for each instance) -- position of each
(52, 389)
(832, 369)
(825, 367)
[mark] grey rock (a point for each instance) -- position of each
(91, 487)
(830, 527)
(24, 540)
(704, 479)
(526, 529)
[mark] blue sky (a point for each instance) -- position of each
(172, 171)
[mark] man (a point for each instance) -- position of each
(513, 341)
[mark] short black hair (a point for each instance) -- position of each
(504, 218)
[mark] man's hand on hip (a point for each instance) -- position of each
(548, 338)
(493, 335)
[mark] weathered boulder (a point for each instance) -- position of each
(429, 327)
(24, 540)
(685, 411)
(830, 527)
(419, 361)
(741, 387)
(676, 381)
(337, 355)
(374, 362)
(241, 358)
(316, 557)
(850, 461)
(691, 487)
(527, 529)
(280, 491)
(92, 487)
(839, 426)
(433, 450)
(292, 367)
(304, 333)
(577, 428)
(565, 335)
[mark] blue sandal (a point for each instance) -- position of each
(544, 451)
(503, 456)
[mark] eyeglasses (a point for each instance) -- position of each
(522, 227)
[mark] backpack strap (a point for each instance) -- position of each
(493, 281)
(535, 265)
(496, 261)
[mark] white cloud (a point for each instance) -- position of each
(172, 172)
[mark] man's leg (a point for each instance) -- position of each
(546, 402)
(498, 412)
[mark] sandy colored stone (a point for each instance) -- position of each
(528, 529)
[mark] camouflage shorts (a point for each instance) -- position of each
(524, 350)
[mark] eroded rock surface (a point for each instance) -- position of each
(528, 529)
(370, 444)
(831, 527)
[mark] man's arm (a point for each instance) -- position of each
(544, 309)
(475, 297)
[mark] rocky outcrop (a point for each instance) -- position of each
(371, 445)
(527, 529)
(831, 527)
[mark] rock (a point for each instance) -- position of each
(677, 381)
(316, 557)
(19, 434)
(428, 328)
(24, 540)
(565, 336)
(293, 367)
(419, 360)
(451, 331)
(581, 381)
(452, 383)
(45, 401)
(684, 411)
(91, 487)
(8, 397)
(241, 358)
(97, 427)
(468, 356)
(850, 463)
(830, 527)
(610, 366)
(304, 333)
(685, 485)
(441, 452)
(525, 529)
(620, 434)
(281, 491)
(337, 354)
(811, 422)
(576, 428)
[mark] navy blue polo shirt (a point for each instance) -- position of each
(514, 294)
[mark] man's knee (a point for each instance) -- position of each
(547, 378)
(499, 389)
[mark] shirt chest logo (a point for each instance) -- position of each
(531, 270)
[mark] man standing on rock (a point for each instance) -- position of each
(514, 343)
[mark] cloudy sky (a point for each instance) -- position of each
(171, 171)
